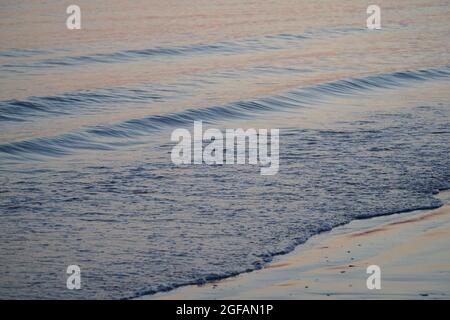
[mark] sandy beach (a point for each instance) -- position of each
(412, 249)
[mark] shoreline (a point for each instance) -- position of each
(412, 250)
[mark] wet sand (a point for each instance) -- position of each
(412, 250)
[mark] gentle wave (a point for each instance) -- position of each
(77, 103)
(270, 42)
(107, 137)
(22, 53)
(69, 103)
